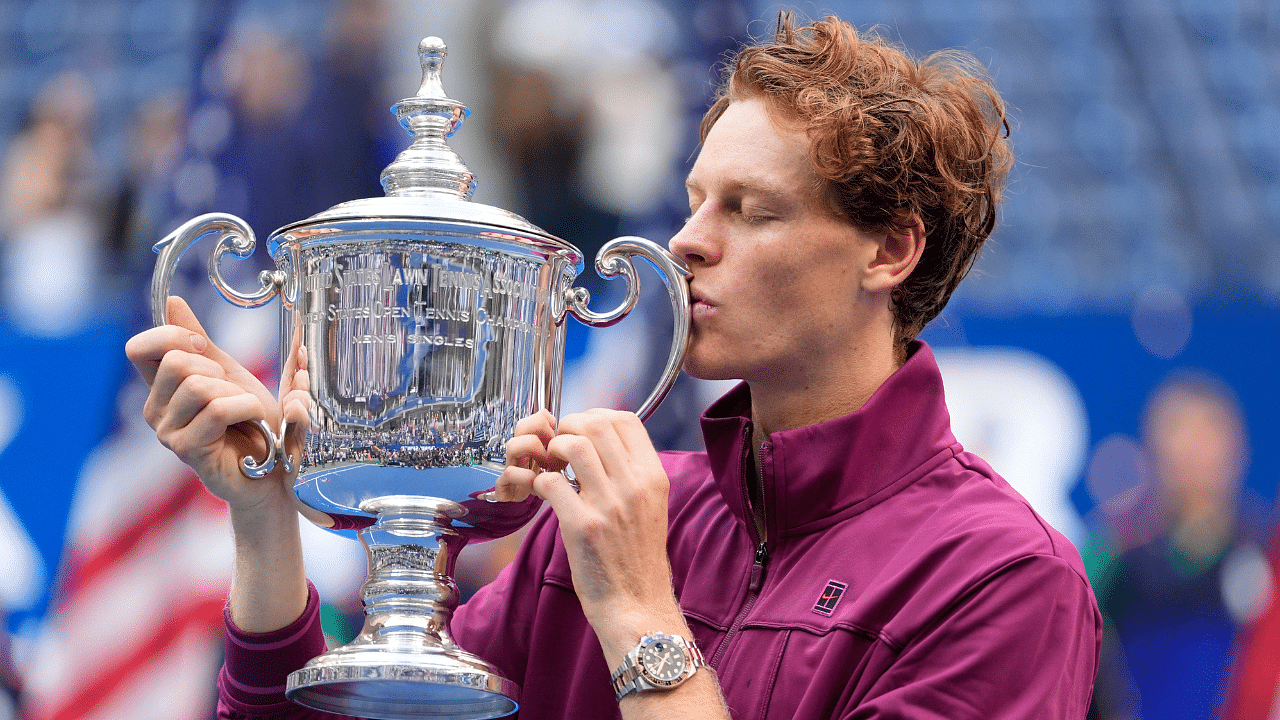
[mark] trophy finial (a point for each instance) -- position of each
(431, 51)
(429, 166)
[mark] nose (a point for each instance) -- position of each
(695, 243)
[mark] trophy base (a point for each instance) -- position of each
(404, 663)
(406, 685)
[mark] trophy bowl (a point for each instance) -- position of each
(432, 325)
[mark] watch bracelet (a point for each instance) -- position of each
(625, 678)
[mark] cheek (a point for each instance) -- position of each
(820, 291)
(785, 272)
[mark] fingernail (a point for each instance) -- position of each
(199, 342)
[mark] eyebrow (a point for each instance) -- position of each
(755, 185)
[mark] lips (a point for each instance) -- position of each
(699, 305)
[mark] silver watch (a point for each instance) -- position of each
(658, 662)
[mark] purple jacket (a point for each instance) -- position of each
(902, 578)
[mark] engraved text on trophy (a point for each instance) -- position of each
(430, 349)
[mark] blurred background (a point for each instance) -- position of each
(1112, 353)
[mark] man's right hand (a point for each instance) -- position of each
(200, 403)
(202, 400)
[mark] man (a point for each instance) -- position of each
(835, 553)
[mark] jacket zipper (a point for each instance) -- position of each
(753, 592)
(756, 581)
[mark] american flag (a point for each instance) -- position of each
(135, 629)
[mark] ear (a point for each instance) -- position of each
(896, 255)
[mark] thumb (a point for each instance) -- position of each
(181, 315)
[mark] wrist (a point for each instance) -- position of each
(619, 632)
(271, 502)
(268, 532)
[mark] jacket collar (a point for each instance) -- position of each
(817, 475)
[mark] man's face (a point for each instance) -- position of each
(776, 274)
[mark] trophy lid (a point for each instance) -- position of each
(428, 180)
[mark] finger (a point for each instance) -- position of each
(528, 451)
(324, 520)
(541, 424)
(625, 426)
(301, 381)
(147, 349)
(295, 387)
(213, 423)
(554, 487)
(296, 408)
(514, 484)
(174, 368)
(609, 450)
(196, 393)
(295, 362)
(635, 437)
(581, 455)
(288, 371)
(295, 395)
(527, 447)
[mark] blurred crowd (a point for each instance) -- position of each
(1178, 560)
(130, 118)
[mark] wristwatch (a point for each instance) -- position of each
(658, 662)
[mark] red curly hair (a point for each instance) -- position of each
(891, 136)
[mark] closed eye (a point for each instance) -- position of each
(756, 217)
(755, 210)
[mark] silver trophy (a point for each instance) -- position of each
(432, 324)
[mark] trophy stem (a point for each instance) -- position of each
(410, 588)
(404, 663)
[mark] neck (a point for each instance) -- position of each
(795, 400)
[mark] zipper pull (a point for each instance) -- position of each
(757, 569)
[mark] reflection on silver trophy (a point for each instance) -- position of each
(431, 324)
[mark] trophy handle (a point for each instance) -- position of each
(235, 238)
(615, 259)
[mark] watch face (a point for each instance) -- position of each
(662, 661)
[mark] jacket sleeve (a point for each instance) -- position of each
(1022, 643)
(252, 680)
